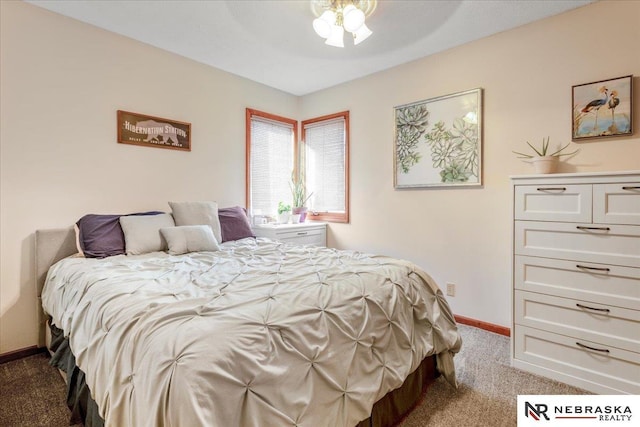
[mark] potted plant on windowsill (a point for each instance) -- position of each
(299, 193)
(542, 161)
(283, 213)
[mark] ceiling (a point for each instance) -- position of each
(273, 42)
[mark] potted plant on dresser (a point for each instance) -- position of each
(283, 213)
(299, 193)
(541, 160)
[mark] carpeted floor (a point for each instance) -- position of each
(487, 387)
(32, 393)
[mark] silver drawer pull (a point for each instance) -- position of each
(593, 268)
(551, 188)
(606, 310)
(604, 350)
(631, 188)
(580, 227)
(303, 233)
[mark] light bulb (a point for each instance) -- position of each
(321, 28)
(353, 18)
(322, 25)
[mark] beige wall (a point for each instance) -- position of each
(463, 235)
(61, 83)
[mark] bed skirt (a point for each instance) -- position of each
(386, 412)
(396, 404)
(83, 408)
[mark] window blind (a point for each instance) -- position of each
(271, 162)
(325, 165)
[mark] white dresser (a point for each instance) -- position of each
(576, 279)
(307, 233)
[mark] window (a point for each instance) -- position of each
(326, 166)
(272, 155)
(271, 152)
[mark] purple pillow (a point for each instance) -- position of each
(100, 236)
(234, 223)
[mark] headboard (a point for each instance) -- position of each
(51, 246)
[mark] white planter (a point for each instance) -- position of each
(545, 164)
(283, 218)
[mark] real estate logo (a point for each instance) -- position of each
(578, 410)
(536, 410)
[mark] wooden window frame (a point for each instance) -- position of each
(328, 216)
(256, 113)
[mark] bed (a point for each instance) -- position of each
(256, 333)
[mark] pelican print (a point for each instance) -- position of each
(596, 104)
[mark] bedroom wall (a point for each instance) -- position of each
(461, 235)
(61, 83)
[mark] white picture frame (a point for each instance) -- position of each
(438, 141)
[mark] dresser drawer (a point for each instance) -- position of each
(605, 244)
(562, 356)
(568, 203)
(617, 203)
(316, 237)
(605, 324)
(601, 283)
(295, 234)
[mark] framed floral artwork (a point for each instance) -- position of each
(438, 142)
(603, 108)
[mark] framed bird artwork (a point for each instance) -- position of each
(603, 108)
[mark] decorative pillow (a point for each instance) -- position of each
(142, 233)
(100, 236)
(234, 223)
(189, 238)
(78, 246)
(197, 213)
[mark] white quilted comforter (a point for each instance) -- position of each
(258, 334)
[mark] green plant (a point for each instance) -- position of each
(282, 208)
(411, 123)
(298, 190)
(454, 150)
(544, 150)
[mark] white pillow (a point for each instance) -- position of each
(197, 213)
(190, 238)
(142, 233)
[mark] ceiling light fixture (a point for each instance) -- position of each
(336, 16)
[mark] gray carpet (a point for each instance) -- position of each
(32, 393)
(487, 387)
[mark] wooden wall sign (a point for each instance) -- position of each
(149, 131)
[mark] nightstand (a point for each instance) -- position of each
(307, 233)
